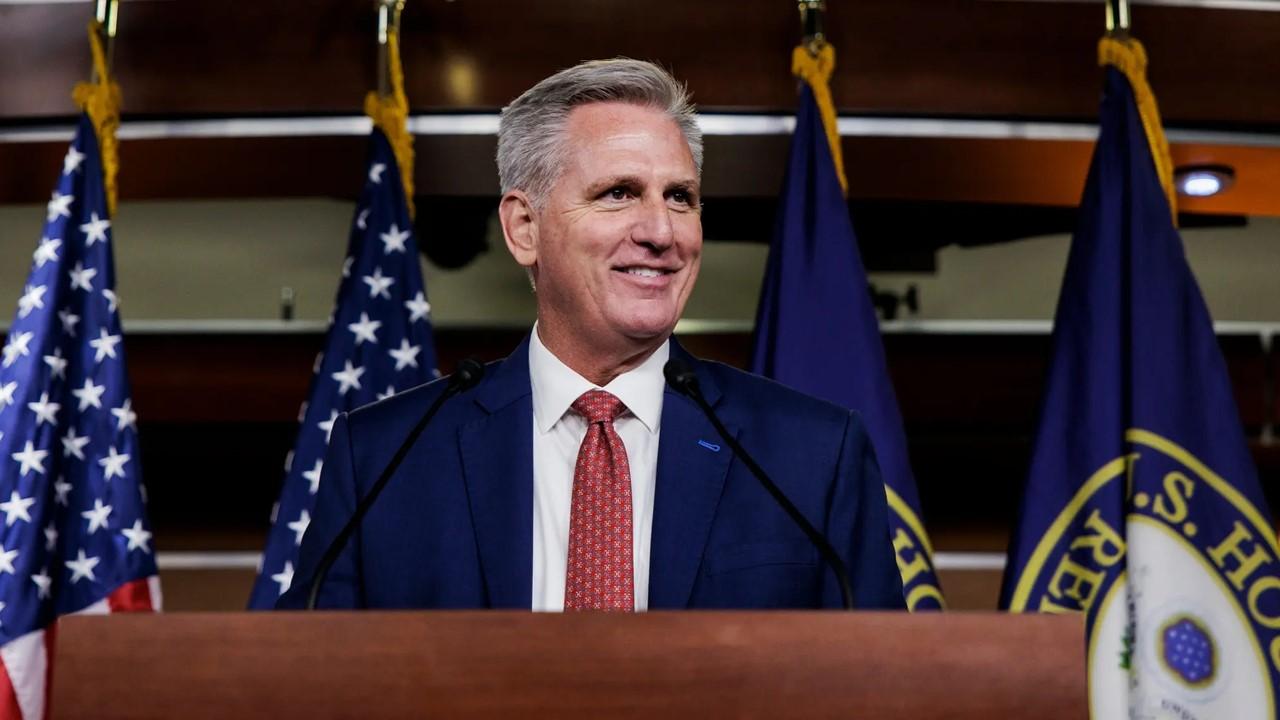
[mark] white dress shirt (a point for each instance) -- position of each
(557, 435)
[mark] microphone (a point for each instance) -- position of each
(684, 380)
(468, 373)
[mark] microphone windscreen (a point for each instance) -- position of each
(466, 375)
(680, 376)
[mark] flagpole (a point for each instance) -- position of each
(107, 16)
(811, 17)
(1117, 17)
(388, 25)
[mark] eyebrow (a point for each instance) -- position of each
(689, 185)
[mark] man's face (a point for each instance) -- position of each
(619, 240)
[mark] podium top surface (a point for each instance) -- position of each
(519, 664)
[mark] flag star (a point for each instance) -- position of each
(47, 251)
(406, 356)
(46, 412)
(6, 561)
(71, 163)
(313, 476)
(57, 364)
(348, 377)
(16, 508)
(375, 173)
(327, 425)
(31, 459)
(284, 577)
(105, 345)
(418, 307)
(59, 206)
(62, 488)
(391, 390)
(82, 568)
(346, 266)
(43, 583)
(138, 537)
(89, 395)
(69, 320)
(95, 230)
(365, 329)
(32, 299)
(72, 445)
(81, 277)
(113, 463)
(125, 416)
(362, 219)
(97, 517)
(393, 240)
(16, 346)
(113, 300)
(378, 284)
(299, 527)
(50, 537)
(6, 393)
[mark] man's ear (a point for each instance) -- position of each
(519, 227)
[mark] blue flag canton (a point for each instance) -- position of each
(74, 507)
(379, 343)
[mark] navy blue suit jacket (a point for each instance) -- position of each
(454, 527)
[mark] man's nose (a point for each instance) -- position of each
(653, 226)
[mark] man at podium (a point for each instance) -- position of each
(572, 476)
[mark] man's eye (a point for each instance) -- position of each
(617, 193)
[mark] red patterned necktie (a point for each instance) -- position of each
(599, 574)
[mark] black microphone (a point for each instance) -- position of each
(468, 373)
(684, 380)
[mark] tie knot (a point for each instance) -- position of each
(598, 406)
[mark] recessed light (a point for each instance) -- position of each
(1203, 180)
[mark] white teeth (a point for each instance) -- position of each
(643, 272)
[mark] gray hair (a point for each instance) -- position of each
(531, 145)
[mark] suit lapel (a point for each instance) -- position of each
(692, 463)
(497, 459)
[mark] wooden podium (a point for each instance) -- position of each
(526, 665)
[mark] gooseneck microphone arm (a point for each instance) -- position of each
(681, 377)
(467, 374)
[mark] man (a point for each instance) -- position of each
(571, 477)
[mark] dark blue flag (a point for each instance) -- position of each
(1143, 508)
(75, 536)
(816, 331)
(379, 343)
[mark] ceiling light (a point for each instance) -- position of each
(1203, 180)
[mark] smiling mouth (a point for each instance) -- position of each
(645, 272)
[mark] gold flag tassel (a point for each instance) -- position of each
(390, 112)
(101, 100)
(815, 66)
(1127, 55)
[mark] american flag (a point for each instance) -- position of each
(378, 343)
(75, 536)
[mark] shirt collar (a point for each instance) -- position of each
(556, 386)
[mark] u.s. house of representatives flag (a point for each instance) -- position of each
(1143, 508)
(816, 329)
(379, 342)
(75, 535)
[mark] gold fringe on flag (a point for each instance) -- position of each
(1129, 57)
(390, 114)
(816, 70)
(101, 100)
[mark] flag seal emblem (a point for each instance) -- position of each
(1150, 546)
(1187, 650)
